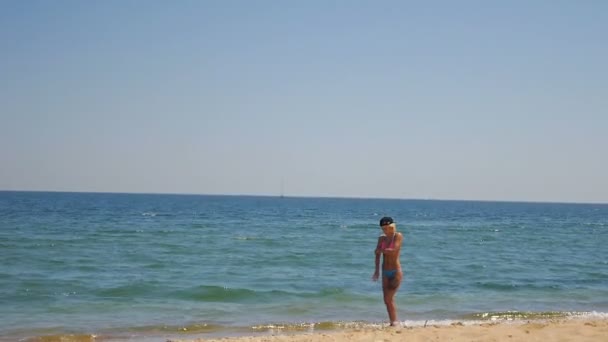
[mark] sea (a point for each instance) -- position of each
(156, 267)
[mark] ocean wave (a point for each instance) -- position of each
(189, 328)
(516, 287)
(515, 315)
(532, 315)
(469, 319)
(358, 226)
(137, 289)
(215, 294)
(238, 295)
(307, 326)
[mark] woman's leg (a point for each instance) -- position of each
(389, 289)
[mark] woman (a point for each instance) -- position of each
(389, 245)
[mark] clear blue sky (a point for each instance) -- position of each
(487, 100)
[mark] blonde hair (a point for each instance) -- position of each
(393, 226)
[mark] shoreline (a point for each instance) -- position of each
(589, 329)
(576, 329)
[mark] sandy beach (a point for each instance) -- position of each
(555, 330)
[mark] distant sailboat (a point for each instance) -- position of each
(282, 188)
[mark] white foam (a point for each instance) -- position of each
(589, 314)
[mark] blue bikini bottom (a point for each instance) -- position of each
(390, 274)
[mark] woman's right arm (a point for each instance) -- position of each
(378, 252)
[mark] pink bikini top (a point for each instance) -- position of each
(383, 245)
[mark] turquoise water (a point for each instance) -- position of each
(128, 266)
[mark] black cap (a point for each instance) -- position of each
(386, 220)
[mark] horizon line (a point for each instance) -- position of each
(305, 196)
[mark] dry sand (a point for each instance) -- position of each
(545, 331)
